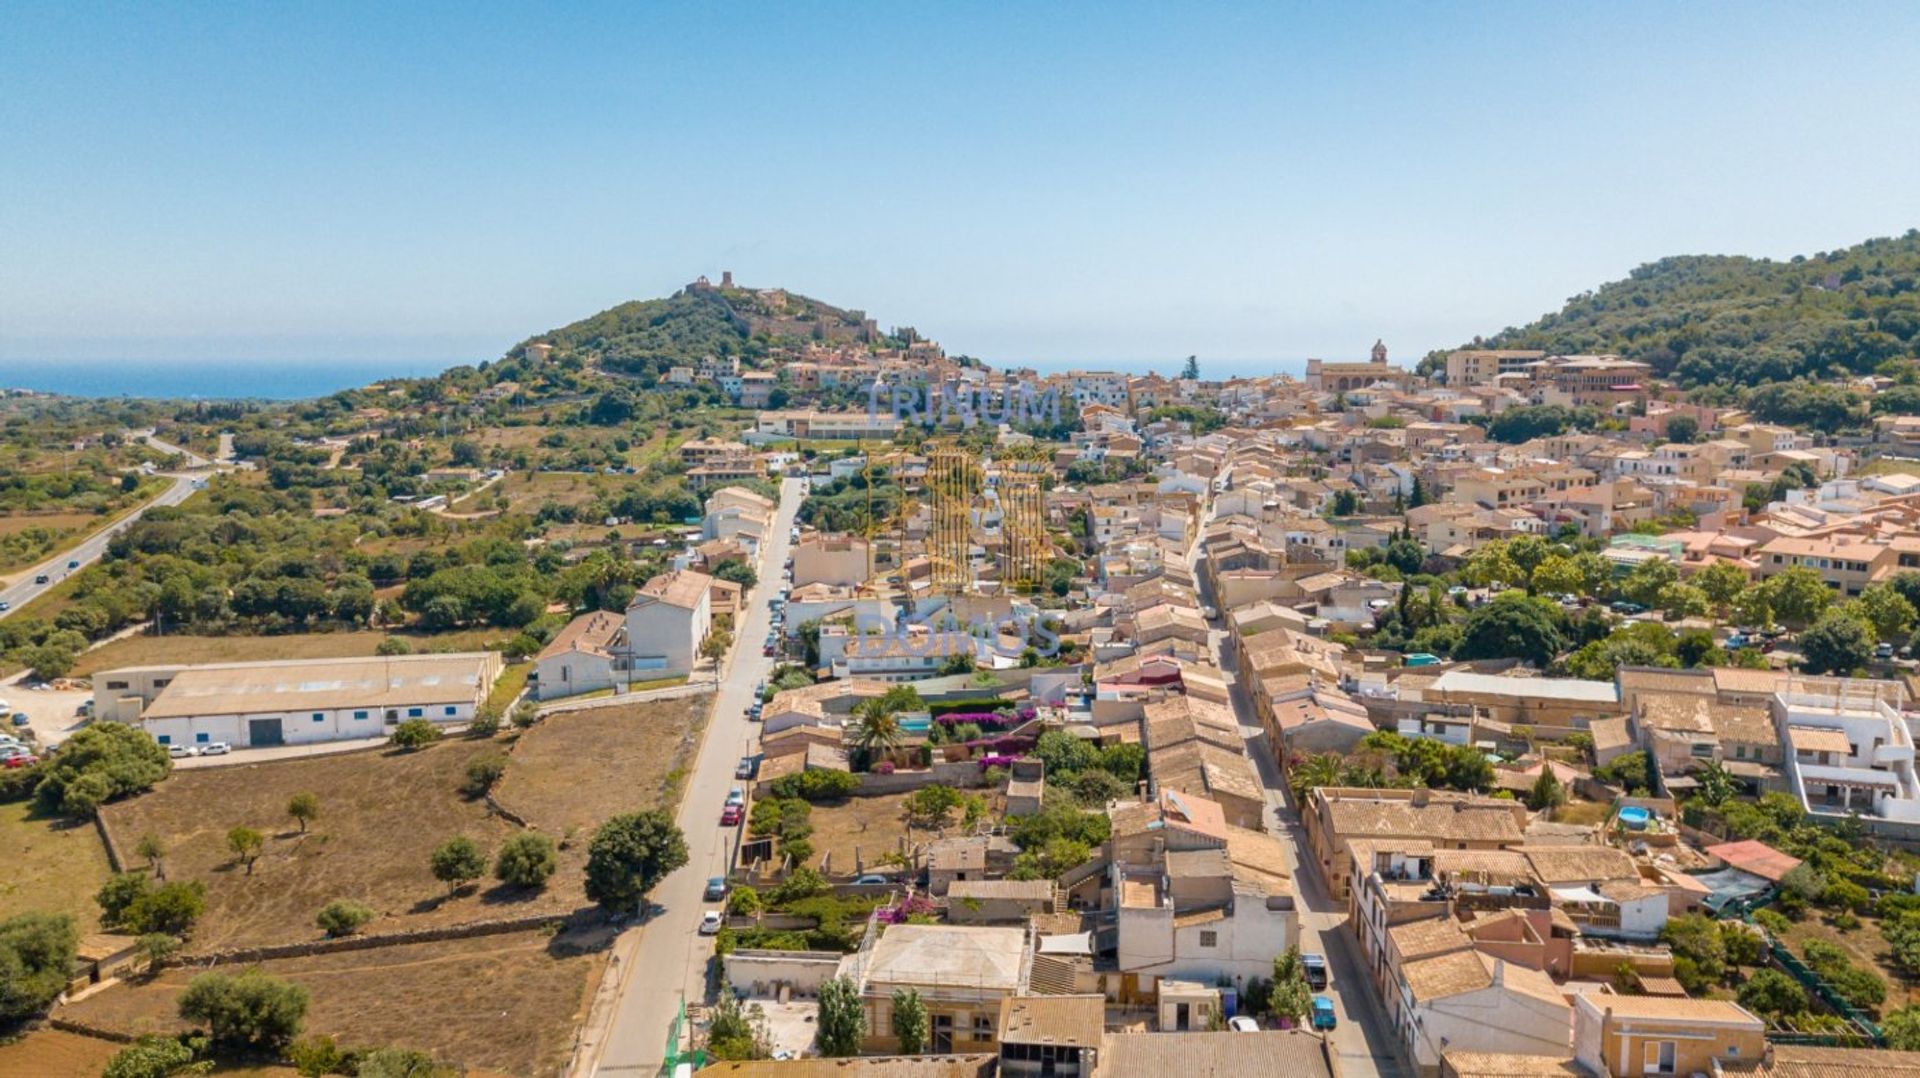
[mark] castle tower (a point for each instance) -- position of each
(1380, 352)
(726, 278)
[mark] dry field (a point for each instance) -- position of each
(58, 522)
(52, 866)
(381, 815)
(577, 768)
(51, 1053)
(161, 650)
(869, 827)
(503, 1003)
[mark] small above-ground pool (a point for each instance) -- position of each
(1635, 818)
(915, 724)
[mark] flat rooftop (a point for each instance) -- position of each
(323, 685)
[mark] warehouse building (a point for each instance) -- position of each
(251, 705)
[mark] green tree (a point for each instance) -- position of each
(105, 760)
(1290, 997)
(304, 808)
(526, 860)
(249, 1011)
(458, 862)
(1064, 754)
(1558, 574)
(1648, 579)
(415, 734)
(36, 958)
(1513, 626)
(150, 849)
(910, 1022)
(170, 908)
(1890, 613)
(1547, 791)
(842, 1020)
(246, 844)
(735, 1031)
(401, 1063)
(483, 771)
(156, 948)
(629, 855)
(1722, 582)
(342, 917)
(1773, 995)
(1902, 1029)
(1699, 955)
(1797, 595)
(117, 895)
(1838, 643)
(1716, 784)
(1683, 428)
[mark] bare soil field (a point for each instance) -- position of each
(576, 768)
(160, 650)
(859, 829)
(52, 866)
(57, 522)
(382, 812)
(53, 1053)
(505, 1003)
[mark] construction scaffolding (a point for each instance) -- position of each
(1024, 541)
(953, 482)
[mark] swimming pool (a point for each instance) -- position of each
(1634, 817)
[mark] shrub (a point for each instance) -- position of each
(36, 957)
(415, 734)
(526, 860)
(816, 785)
(457, 862)
(483, 771)
(342, 917)
(485, 721)
(151, 1056)
(170, 908)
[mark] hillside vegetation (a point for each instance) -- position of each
(646, 337)
(1729, 321)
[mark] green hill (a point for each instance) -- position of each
(1720, 320)
(646, 337)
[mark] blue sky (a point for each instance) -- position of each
(1023, 182)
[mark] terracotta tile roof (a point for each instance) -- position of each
(1267, 1054)
(1756, 857)
(1509, 1065)
(1078, 1021)
(1424, 939)
(592, 633)
(1567, 864)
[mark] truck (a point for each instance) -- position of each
(1315, 968)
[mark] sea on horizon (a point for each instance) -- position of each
(282, 380)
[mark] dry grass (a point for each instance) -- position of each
(162, 650)
(1865, 946)
(58, 522)
(504, 1003)
(577, 768)
(859, 829)
(52, 866)
(51, 1053)
(1588, 813)
(382, 814)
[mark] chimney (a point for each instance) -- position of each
(1499, 972)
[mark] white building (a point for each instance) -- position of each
(667, 621)
(255, 704)
(1849, 748)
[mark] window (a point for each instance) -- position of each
(359, 714)
(116, 684)
(318, 717)
(1659, 1057)
(1702, 749)
(415, 712)
(1209, 939)
(203, 738)
(452, 710)
(982, 1027)
(165, 739)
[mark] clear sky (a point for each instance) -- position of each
(1022, 182)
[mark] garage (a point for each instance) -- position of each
(261, 732)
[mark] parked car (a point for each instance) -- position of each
(1622, 606)
(710, 923)
(3, 705)
(1883, 651)
(1323, 1017)
(1737, 641)
(1240, 1023)
(736, 796)
(716, 889)
(24, 759)
(745, 768)
(181, 752)
(20, 718)
(871, 879)
(1315, 967)
(215, 748)
(730, 816)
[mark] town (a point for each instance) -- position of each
(825, 703)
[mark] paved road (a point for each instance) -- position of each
(1363, 1039)
(89, 550)
(194, 460)
(670, 962)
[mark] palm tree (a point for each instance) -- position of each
(876, 728)
(1315, 771)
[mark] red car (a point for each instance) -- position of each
(730, 816)
(22, 761)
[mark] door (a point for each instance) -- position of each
(264, 732)
(942, 1034)
(1181, 1019)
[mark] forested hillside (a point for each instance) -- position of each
(1729, 321)
(646, 337)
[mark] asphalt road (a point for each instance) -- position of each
(24, 590)
(1362, 1037)
(670, 962)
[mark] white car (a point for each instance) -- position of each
(215, 748)
(710, 923)
(180, 752)
(1240, 1023)
(4, 706)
